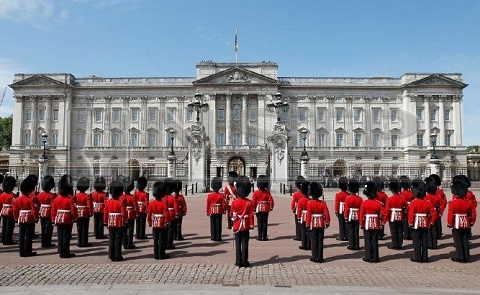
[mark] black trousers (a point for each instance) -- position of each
(172, 228)
(115, 239)
(178, 231)
(229, 220)
(432, 236)
(353, 234)
(47, 231)
(216, 227)
(305, 236)
(461, 242)
(407, 231)
(439, 227)
(241, 247)
(298, 228)
(25, 237)
(262, 221)
(396, 231)
(316, 236)
(342, 227)
(128, 235)
(370, 238)
(141, 225)
(159, 242)
(98, 225)
(420, 246)
(82, 231)
(64, 233)
(8, 224)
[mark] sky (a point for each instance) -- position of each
(157, 38)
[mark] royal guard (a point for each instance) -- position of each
(339, 208)
(142, 198)
(7, 199)
(99, 197)
(45, 198)
(394, 214)
(84, 203)
(215, 208)
(115, 218)
(158, 218)
(318, 219)
(1, 181)
(406, 184)
(370, 221)
(230, 194)
(382, 198)
(132, 209)
(172, 204)
(293, 206)
(64, 214)
(421, 215)
(461, 217)
(182, 209)
(241, 213)
(351, 214)
(443, 203)
(436, 201)
(26, 214)
(262, 203)
(469, 197)
(302, 217)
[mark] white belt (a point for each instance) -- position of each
(45, 206)
(171, 209)
(129, 208)
(158, 215)
(25, 211)
(63, 211)
(7, 205)
(114, 214)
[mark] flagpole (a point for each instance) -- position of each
(236, 46)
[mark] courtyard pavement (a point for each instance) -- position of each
(198, 265)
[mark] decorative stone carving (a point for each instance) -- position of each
(238, 77)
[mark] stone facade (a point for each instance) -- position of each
(356, 126)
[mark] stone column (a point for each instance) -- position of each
(228, 120)
(279, 155)
(34, 139)
(172, 169)
(457, 121)
(244, 120)
(196, 155)
(304, 159)
(441, 124)
(427, 121)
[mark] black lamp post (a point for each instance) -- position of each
(303, 134)
(44, 137)
(433, 140)
(197, 105)
(171, 132)
(277, 105)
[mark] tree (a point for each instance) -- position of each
(473, 149)
(6, 131)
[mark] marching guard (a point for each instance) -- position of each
(317, 220)
(370, 220)
(7, 199)
(158, 218)
(443, 203)
(142, 197)
(26, 214)
(382, 198)
(84, 205)
(302, 217)
(230, 194)
(263, 203)
(339, 208)
(182, 209)
(394, 214)
(216, 207)
(132, 209)
(436, 200)
(99, 197)
(115, 218)
(406, 184)
(172, 204)
(293, 206)
(351, 214)
(45, 198)
(470, 196)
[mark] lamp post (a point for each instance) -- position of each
(304, 158)
(43, 159)
(171, 132)
(277, 105)
(172, 159)
(197, 105)
(434, 161)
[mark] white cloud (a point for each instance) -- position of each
(7, 72)
(26, 10)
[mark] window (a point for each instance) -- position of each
(134, 114)
(376, 140)
(357, 115)
(419, 114)
(133, 139)
(54, 140)
(237, 112)
(393, 115)
(252, 139)
(302, 115)
(448, 139)
(283, 115)
(357, 139)
(221, 115)
(339, 139)
(116, 115)
(80, 140)
(27, 137)
(320, 114)
(220, 138)
(28, 115)
(152, 114)
(97, 139)
(152, 139)
(252, 114)
(80, 115)
(394, 140)
(171, 114)
(376, 115)
(55, 115)
(433, 115)
(339, 115)
(322, 139)
(420, 139)
(116, 139)
(189, 116)
(98, 114)
(41, 114)
(446, 115)
(237, 138)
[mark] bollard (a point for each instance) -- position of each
(192, 189)
(186, 189)
(196, 188)
(291, 190)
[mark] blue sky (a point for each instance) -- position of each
(132, 38)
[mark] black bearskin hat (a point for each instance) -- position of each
(405, 182)
(299, 180)
(315, 190)
(1, 178)
(27, 186)
(464, 178)
(83, 183)
(263, 182)
(459, 188)
(431, 185)
(304, 187)
(65, 185)
(100, 184)
(8, 184)
(243, 186)
(216, 183)
(141, 183)
(394, 185)
(170, 183)
(438, 180)
(116, 189)
(128, 185)
(160, 189)
(353, 186)
(48, 183)
(178, 186)
(379, 183)
(419, 188)
(370, 189)
(232, 176)
(343, 183)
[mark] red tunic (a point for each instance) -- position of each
(395, 205)
(318, 207)
(143, 198)
(130, 205)
(382, 197)
(115, 208)
(84, 205)
(98, 200)
(25, 205)
(242, 214)
(6, 203)
(182, 205)
(421, 206)
(63, 205)
(461, 206)
(368, 209)
(408, 195)
(215, 203)
(352, 202)
(262, 201)
(436, 201)
(172, 205)
(302, 209)
(295, 198)
(471, 197)
(230, 193)
(156, 211)
(340, 198)
(443, 197)
(45, 199)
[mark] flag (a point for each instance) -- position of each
(236, 40)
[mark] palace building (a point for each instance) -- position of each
(242, 117)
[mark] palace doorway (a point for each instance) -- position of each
(339, 168)
(237, 164)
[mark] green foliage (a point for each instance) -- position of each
(473, 149)
(6, 131)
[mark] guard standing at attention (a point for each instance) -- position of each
(216, 207)
(263, 204)
(370, 221)
(318, 219)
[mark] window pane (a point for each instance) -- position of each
(339, 115)
(321, 139)
(134, 139)
(252, 114)
(134, 114)
(236, 112)
(446, 115)
(420, 114)
(237, 138)
(252, 139)
(376, 115)
(98, 115)
(81, 115)
(420, 139)
(393, 115)
(339, 139)
(152, 114)
(55, 115)
(171, 114)
(152, 139)
(97, 139)
(41, 115)
(80, 140)
(221, 115)
(116, 115)
(357, 115)
(302, 115)
(321, 114)
(220, 139)
(358, 139)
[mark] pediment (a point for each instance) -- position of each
(395, 131)
(340, 130)
(38, 80)
(358, 130)
(235, 76)
(377, 130)
(437, 80)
